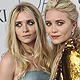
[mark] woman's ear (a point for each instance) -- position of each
(74, 26)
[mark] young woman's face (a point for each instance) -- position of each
(25, 28)
(58, 26)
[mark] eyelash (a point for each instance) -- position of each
(48, 23)
(29, 22)
(58, 23)
(18, 24)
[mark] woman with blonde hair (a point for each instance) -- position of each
(28, 55)
(61, 25)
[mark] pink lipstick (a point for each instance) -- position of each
(55, 36)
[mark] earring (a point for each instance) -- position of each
(72, 33)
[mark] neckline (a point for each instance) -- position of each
(35, 71)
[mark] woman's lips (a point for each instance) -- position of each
(26, 36)
(55, 36)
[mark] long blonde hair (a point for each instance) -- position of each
(41, 47)
(68, 7)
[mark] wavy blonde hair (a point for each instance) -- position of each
(68, 7)
(41, 47)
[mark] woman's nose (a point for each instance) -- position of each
(54, 28)
(25, 28)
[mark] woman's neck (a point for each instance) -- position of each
(29, 47)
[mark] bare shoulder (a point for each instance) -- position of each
(7, 59)
(7, 66)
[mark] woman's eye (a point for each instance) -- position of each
(48, 24)
(30, 22)
(60, 23)
(18, 24)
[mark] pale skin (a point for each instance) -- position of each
(25, 29)
(26, 33)
(58, 26)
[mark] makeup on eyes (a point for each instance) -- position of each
(58, 22)
(28, 22)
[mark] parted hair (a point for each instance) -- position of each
(41, 47)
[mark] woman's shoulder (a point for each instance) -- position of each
(72, 45)
(7, 60)
(71, 59)
(7, 67)
(72, 41)
(7, 57)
